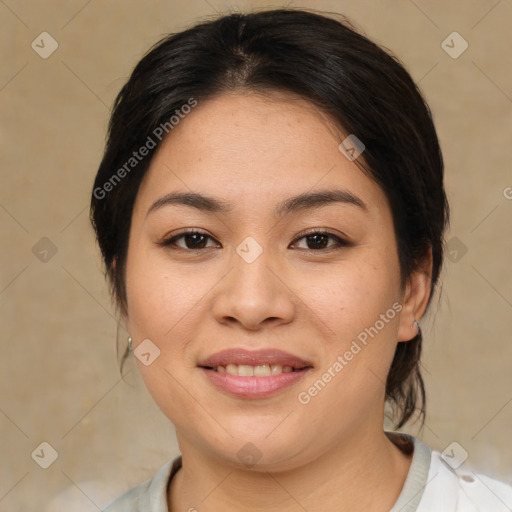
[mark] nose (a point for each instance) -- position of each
(253, 295)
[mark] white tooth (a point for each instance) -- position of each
(276, 369)
(262, 370)
(232, 369)
(244, 370)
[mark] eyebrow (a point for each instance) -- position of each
(300, 202)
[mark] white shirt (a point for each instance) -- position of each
(432, 485)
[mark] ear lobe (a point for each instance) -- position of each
(415, 299)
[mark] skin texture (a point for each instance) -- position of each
(254, 151)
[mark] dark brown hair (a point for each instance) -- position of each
(360, 85)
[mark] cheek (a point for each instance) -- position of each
(360, 305)
(351, 297)
(159, 294)
(161, 306)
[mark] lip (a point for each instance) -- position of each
(253, 387)
(254, 357)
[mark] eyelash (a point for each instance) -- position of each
(170, 242)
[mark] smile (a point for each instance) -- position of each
(253, 373)
(260, 370)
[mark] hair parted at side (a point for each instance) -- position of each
(358, 84)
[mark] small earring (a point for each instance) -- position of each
(130, 346)
(417, 326)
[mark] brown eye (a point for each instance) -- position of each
(192, 240)
(319, 240)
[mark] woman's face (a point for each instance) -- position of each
(257, 279)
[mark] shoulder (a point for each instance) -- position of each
(457, 488)
(130, 501)
(149, 496)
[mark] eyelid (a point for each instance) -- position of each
(322, 231)
(168, 239)
(342, 241)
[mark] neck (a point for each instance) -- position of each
(363, 473)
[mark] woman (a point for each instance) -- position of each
(270, 210)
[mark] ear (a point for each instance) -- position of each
(415, 298)
(123, 318)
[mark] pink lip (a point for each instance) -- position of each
(253, 357)
(253, 387)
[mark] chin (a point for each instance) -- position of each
(269, 451)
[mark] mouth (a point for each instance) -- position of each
(260, 370)
(254, 363)
(253, 374)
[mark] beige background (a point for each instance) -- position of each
(58, 371)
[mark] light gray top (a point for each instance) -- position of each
(414, 484)
(435, 483)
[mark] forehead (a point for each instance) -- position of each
(255, 150)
